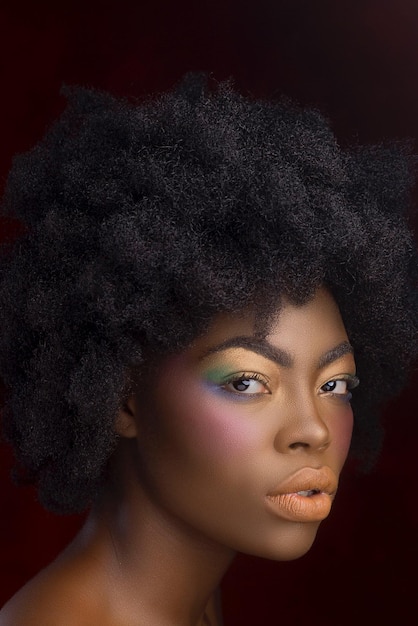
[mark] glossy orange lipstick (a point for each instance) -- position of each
(306, 496)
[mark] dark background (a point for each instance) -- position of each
(358, 62)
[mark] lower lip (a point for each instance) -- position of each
(296, 508)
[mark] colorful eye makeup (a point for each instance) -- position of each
(241, 383)
(250, 384)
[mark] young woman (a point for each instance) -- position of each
(203, 281)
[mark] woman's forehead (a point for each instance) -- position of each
(288, 325)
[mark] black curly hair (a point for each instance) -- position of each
(144, 220)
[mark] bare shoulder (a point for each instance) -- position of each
(53, 598)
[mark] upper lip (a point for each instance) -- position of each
(321, 479)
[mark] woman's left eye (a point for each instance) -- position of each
(340, 386)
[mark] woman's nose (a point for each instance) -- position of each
(303, 429)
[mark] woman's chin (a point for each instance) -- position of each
(290, 544)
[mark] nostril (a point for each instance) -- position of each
(298, 444)
(301, 445)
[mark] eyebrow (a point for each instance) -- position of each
(335, 353)
(277, 355)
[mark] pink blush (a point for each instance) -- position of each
(218, 428)
(341, 433)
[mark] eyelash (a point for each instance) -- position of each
(352, 382)
(241, 377)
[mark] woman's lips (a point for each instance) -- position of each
(305, 496)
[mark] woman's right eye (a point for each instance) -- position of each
(247, 384)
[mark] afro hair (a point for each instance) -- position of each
(146, 219)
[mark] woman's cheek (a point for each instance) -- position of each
(341, 433)
(214, 427)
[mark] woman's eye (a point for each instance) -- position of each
(248, 385)
(335, 386)
(341, 386)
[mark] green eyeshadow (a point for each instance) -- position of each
(217, 374)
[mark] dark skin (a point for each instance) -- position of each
(204, 442)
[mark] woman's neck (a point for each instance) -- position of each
(158, 570)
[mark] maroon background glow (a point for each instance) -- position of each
(358, 62)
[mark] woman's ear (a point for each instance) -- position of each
(126, 419)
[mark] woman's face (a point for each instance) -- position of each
(242, 439)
